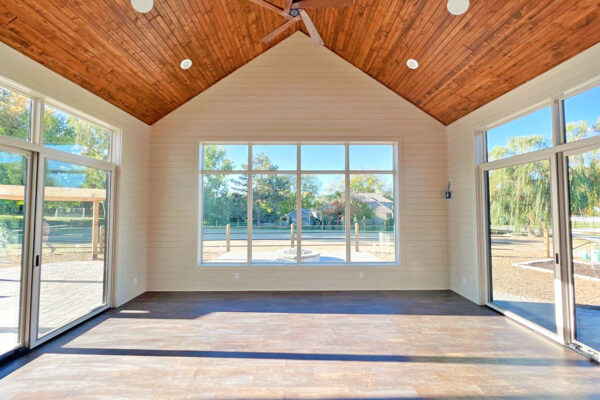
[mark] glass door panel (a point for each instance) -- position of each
(584, 213)
(521, 251)
(13, 198)
(72, 276)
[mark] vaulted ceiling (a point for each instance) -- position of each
(132, 60)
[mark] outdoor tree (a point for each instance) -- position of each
(311, 200)
(369, 183)
(520, 194)
(216, 187)
(361, 210)
(15, 114)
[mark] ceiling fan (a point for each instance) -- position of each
(294, 11)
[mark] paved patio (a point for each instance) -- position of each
(269, 257)
(68, 290)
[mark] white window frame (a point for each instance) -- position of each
(39, 153)
(298, 172)
(563, 281)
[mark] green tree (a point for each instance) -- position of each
(520, 194)
(369, 183)
(310, 193)
(216, 187)
(577, 130)
(584, 181)
(274, 195)
(520, 145)
(361, 210)
(15, 114)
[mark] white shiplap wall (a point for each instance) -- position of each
(465, 277)
(132, 201)
(296, 91)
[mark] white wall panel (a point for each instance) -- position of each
(297, 91)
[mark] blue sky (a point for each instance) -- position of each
(61, 173)
(582, 107)
(323, 157)
(65, 174)
(327, 182)
(372, 157)
(9, 158)
(317, 157)
(537, 123)
(284, 155)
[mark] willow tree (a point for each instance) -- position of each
(584, 172)
(520, 194)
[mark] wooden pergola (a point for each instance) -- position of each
(95, 196)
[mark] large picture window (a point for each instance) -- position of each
(271, 204)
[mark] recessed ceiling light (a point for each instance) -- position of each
(186, 64)
(457, 7)
(142, 6)
(412, 64)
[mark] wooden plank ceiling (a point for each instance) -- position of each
(132, 60)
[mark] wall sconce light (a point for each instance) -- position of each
(448, 192)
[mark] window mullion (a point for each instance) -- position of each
(37, 126)
(249, 208)
(331, 238)
(201, 214)
(347, 208)
(558, 133)
(298, 207)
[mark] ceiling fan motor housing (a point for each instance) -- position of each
(294, 12)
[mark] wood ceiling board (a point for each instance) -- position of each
(465, 61)
(132, 59)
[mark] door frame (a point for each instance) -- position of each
(569, 283)
(563, 279)
(27, 246)
(485, 240)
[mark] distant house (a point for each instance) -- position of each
(307, 217)
(382, 207)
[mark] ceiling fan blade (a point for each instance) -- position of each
(287, 7)
(321, 3)
(310, 27)
(271, 7)
(279, 30)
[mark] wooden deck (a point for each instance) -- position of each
(357, 345)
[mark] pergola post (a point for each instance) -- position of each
(95, 223)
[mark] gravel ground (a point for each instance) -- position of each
(528, 284)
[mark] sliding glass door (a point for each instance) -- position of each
(14, 202)
(56, 170)
(584, 238)
(540, 197)
(521, 248)
(71, 271)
